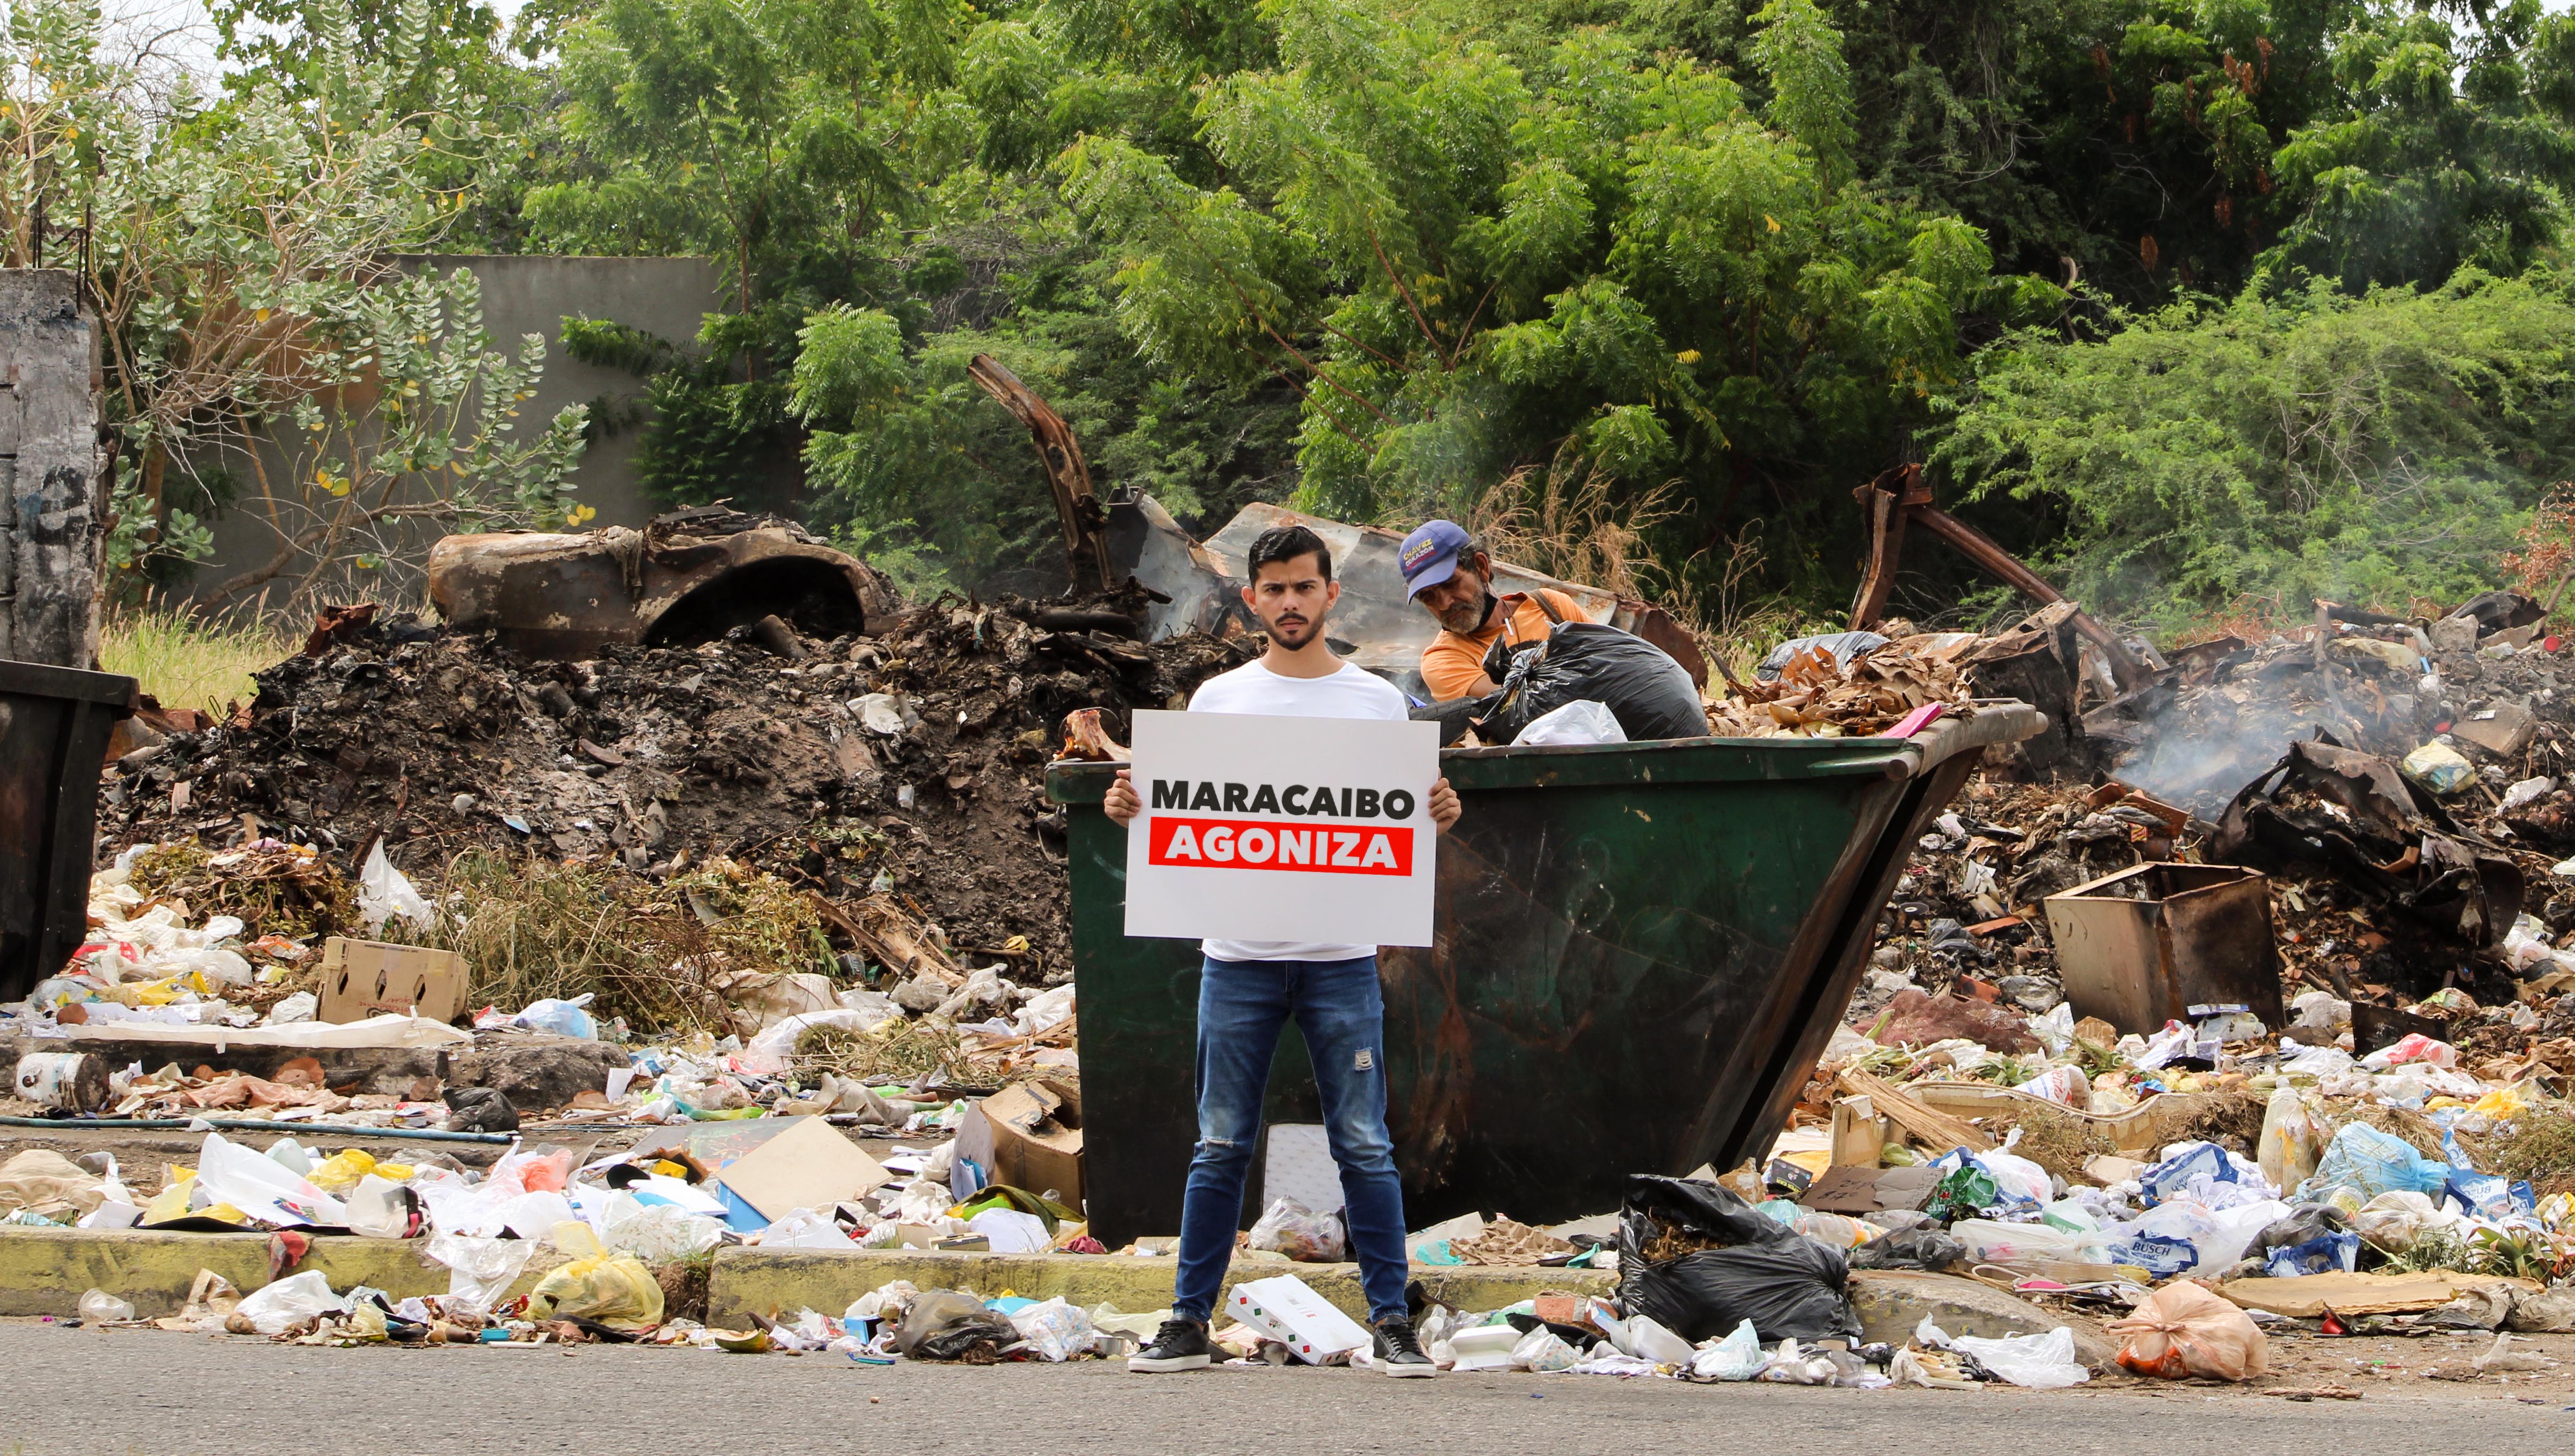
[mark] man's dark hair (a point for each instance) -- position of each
(1285, 544)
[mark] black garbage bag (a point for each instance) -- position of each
(1909, 1249)
(947, 1324)
(2303, 1224)
(1650, 695)
(1789, 1285)
(479, 1110)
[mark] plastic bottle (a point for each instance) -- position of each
(2292, 1141)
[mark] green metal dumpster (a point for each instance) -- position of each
(54, 726)
(1641, 950)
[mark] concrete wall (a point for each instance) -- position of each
(528, 295)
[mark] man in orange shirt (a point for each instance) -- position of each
(1444, 572)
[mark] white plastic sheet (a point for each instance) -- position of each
(2040, 1362)
(281, 1304)
(261, 1188)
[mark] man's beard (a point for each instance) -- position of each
(1295, 635)
(1467, 617)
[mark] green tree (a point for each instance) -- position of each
(1463, 268)
(2313, 443)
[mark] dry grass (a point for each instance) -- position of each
(2417, 1129)
(651, 953)
(2538, 1146)
(187, 660)
(273, 892)
(1580, 528)
(2061, 1142)
(2232, 1120)
(903, 1050)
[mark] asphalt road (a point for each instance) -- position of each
(92, 1392)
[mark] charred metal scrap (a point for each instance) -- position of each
(2355, 812)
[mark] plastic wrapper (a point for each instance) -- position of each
(1308, 1237)
(945, 1323)
(1582, 721)
(615, 1289)
(282, 1304)
(1650, 694)
(1738, 1356)
(1055, 1330)
(2040, 1362)
(2183, 1330)
(1789, 1285)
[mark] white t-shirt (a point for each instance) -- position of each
(1252, 687)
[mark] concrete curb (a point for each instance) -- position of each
(45, 1271)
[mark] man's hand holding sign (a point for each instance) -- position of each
(1284, 828)
(1288, 816)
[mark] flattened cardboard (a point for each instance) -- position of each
(362, 979)
(810, 1165)
(1028, 1135)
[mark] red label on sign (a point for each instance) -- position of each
(1270, 845)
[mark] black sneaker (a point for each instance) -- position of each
(1398, 1349)
(1181, 1344)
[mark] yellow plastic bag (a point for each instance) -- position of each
(340, 1172)
(615, 1289)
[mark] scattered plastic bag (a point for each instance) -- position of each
(658, 1232)
(2022, 1245)
(2370, 1162)
(943, 1324)
(615, 1289)
(2414, 1049)
(479, 1272)
(559, 1018)
(1580, 721)
(2200, 1171)
(1909, 1249)
(2040, 1362)
(280, 1305)
(1308, 1237)
(1738, 1356)
(384, 893)
(379, 1208)
(1054, 1331)
(1543, 1352)
(100, 1307)
(1787, 1285)
(262, 1187)
(2185, 1330)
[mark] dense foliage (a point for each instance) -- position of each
(2193, 302)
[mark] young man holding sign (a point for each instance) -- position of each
(1220, 848)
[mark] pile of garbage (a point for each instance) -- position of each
(908, 761)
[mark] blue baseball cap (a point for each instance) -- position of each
(1429, 555)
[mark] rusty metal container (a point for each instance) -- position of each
(54, 726)
(2141, 948)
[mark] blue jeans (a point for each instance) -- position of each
(1242, 1006)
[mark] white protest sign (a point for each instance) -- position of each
(1282, 828)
